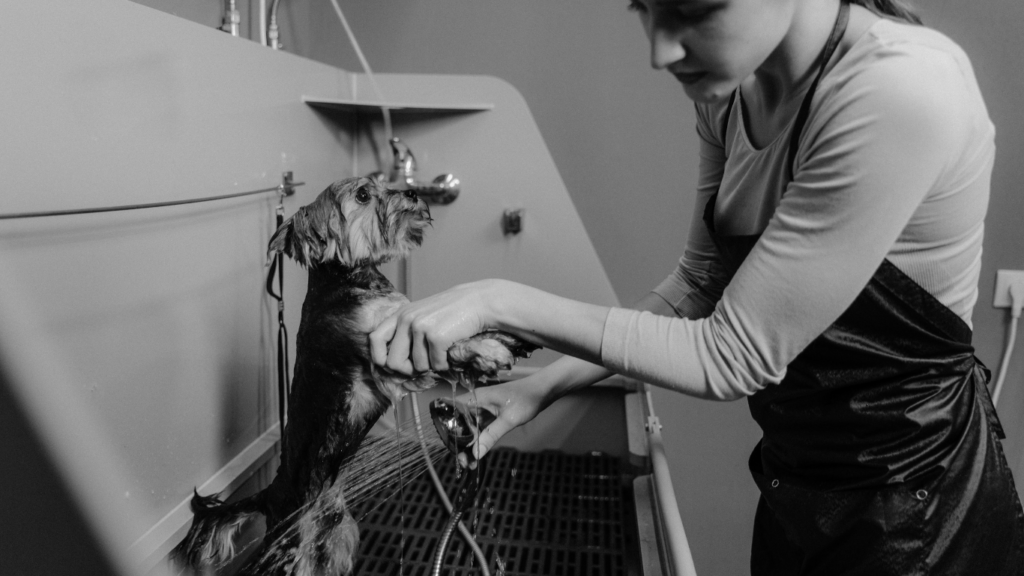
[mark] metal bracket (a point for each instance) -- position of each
(512, 221)
(653, 424)
(287, 186)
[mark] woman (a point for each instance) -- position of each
(829, 277)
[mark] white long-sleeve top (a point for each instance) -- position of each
(895, 162)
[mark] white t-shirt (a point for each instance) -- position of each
(895, 162)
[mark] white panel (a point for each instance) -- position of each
(159, 315)
(502, 162)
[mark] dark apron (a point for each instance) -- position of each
(880, 452)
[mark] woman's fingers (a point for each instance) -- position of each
(380, 338)
(417, 337)
(420, 349)
(437, 353)
(398, 349)
(484, 442)
(512, 403)
(490, 436)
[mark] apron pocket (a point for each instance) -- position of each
(879, 531)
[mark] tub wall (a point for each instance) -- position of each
(622, 137)
(158, 318)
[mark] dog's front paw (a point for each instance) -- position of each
(477, 359)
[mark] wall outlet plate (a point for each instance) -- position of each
(1004, 279)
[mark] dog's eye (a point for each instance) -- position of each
(362, 196)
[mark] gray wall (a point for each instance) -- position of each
(623, 140)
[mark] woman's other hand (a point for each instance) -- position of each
(513, 403)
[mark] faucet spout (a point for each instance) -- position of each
(442, 190)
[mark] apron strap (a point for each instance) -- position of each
(981, 376)
(838, 31)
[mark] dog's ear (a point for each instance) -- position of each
(313, 234)
(281, 241)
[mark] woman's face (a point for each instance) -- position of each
(710, 46)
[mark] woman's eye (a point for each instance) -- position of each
(692, 16)
(695, 13)
(362, 196)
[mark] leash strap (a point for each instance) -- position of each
(283, 383)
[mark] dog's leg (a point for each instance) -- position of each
(329, 536)
(320, 539)
(210, 539)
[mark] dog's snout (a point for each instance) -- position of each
(411, 194)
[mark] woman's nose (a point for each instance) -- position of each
(666, 49)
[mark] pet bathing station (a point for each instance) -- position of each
(137, 347)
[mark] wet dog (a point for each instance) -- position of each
(337, 393)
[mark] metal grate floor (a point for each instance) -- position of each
(545, 513)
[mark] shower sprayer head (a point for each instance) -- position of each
(456, 430)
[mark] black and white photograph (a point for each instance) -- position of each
(511, 288)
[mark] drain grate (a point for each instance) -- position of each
(544, 513)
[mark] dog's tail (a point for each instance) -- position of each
(210, 541)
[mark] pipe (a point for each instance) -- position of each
(273, 33)
(232, 19)
(1016, 304)
(263, 22)
(385, 111)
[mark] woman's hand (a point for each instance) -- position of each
(514, 403)
(416, 338)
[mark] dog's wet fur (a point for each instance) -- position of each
(337, 395)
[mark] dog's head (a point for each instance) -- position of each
(354, 222)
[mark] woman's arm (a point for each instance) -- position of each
(887, 145)
(518, 402)
(417, 337)
(570, 373)
(872, 155)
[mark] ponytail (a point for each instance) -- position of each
(898, 9)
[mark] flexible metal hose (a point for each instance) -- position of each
(442, 545)
(467, 492)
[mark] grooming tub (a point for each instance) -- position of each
(137, 349)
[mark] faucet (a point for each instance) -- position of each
(443, 190)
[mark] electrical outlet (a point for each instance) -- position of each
(1005, 279)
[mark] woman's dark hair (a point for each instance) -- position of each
(898, 9)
